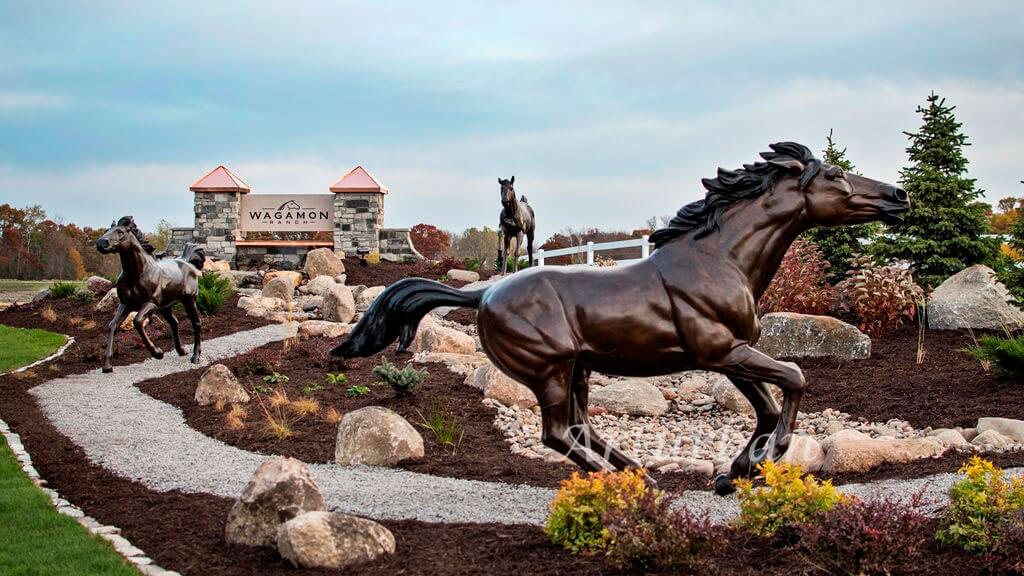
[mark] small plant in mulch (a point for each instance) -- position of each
(332, 416)
(1007, 554)
(48, 314)
(338, 378)
(788, 497)
(1007, 353)
(83, 296)
(403, 381)
(353, 391)
(576, 520)
(60, 289)
(652, 536)
(978, 504)
(275, 378)
(858, 537)
(280, 413)
(235, 418)
(444, 425)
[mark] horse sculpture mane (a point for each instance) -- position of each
(731, 186)
(129, 222)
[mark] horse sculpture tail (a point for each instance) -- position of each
(397, 312)
(194, 255)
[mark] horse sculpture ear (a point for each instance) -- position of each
(790, 165)
(513, 180)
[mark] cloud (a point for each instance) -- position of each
(22, 102)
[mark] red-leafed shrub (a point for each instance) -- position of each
(448, 263)
(857, 537)
(801, 283)
(652, 536)
(1008, 553)
(882, 297)
(430, 241)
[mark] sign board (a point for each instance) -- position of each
(286, 213)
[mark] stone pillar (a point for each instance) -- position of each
(217, 200)
(358, 218)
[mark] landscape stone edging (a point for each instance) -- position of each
(112, 534)
(60, 351)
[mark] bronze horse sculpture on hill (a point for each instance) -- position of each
(148, 285)
(691, 305)
(515, 221)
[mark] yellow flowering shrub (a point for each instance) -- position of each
(576, 519)
(789, 496)
(978, 503)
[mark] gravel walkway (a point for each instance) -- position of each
(139, 437)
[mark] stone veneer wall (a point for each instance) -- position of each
(397, 242)
(357, 221)
(271, 257)
(217, 223)
(179, 236)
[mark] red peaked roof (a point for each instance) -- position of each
(358, 180)
(220, 179)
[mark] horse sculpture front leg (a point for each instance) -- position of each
(750, 365)
(113, 326)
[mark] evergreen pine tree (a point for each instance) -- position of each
(942, 233)
(840, 243)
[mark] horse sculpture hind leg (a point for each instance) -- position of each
(197, 326)
(140, 326)
(585, 433)
(558, 429)
(168, 316)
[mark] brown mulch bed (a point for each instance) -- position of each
(385, 273)
(949, 389)
(89, 329)
(482, 455)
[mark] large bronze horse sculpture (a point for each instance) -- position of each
(691, 305)
(148, 285)
(515, 221)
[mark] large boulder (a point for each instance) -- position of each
(279, 490)
(339, 306)
(507, 391)
(218, 384)
(366, 297)
(98, 285)
(730, 398)
(991, 440)
(323, 262)
(861, 453)
(108, 302)
(632, 397)
(376, 436)
(332, 540)
(973, 298)
(260, 306)
(805, 452)
(323, 329)
(295, 277)
(1008, 427)
(463, 275)
(433, 337)
(791, 335)
(211, 265)
(318, 286)
(280, 288)
(242, 278)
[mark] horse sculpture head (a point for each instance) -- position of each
(508, 191)
(119, 238)
(794, 186)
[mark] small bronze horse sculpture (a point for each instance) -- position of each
(148, 285)
(516, 220)
(690, 305)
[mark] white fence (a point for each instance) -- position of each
(590, 249)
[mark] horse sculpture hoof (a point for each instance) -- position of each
(107, 370)
(158, 355)
(723, 485)
(195, 360)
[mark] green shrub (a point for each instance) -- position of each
(1006, 353)
(214, 292)
(62, 289)
(788, 497)
(511, 260)
(402, 381)
(651, 536)
(576, 520)
(978, 504)
(857, 537)
(275, 378)
(357, 391)
(84, 296)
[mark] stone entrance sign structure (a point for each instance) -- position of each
(276, 230)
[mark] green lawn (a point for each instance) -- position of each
(21, 346)
(28, 285)
(35, 539)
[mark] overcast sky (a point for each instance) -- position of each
(606, 113)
